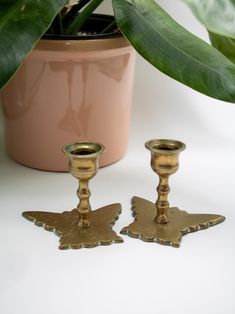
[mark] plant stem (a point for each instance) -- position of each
(73, 12)
(109, 28)
(58, 25)
(82, 17)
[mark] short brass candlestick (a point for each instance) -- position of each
(158, 222)
(81, 227)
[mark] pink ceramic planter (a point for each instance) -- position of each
(69, 91)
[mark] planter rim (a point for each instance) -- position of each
(94, 42)
(86, 43)
(82, 45)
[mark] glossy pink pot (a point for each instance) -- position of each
(69, 91)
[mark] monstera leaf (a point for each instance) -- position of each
(175, 51)
(218, 16)
(22, 23)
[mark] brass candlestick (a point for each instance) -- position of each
(81, 227)
(158, 222)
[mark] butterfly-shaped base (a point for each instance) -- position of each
(180, 222)
(71, 236)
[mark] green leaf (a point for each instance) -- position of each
(81, 18)
(175, 51)
(22, 23)
(218, 16)
(223, 44)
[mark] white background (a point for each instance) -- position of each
(134, 277)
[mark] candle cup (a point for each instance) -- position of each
(159, 222)
(81, 227)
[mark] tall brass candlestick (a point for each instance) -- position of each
(81, 227)
(158, 222)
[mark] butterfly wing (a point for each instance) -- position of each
(57, 222)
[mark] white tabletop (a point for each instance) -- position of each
(133, 277)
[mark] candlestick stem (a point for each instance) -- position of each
(162, 203)
(84, 207)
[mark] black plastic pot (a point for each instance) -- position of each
(94, 25)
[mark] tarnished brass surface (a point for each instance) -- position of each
(180, 223)
(164, 161)
(81, 227)
(65, 225)
(83, 165)
(158, 222)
